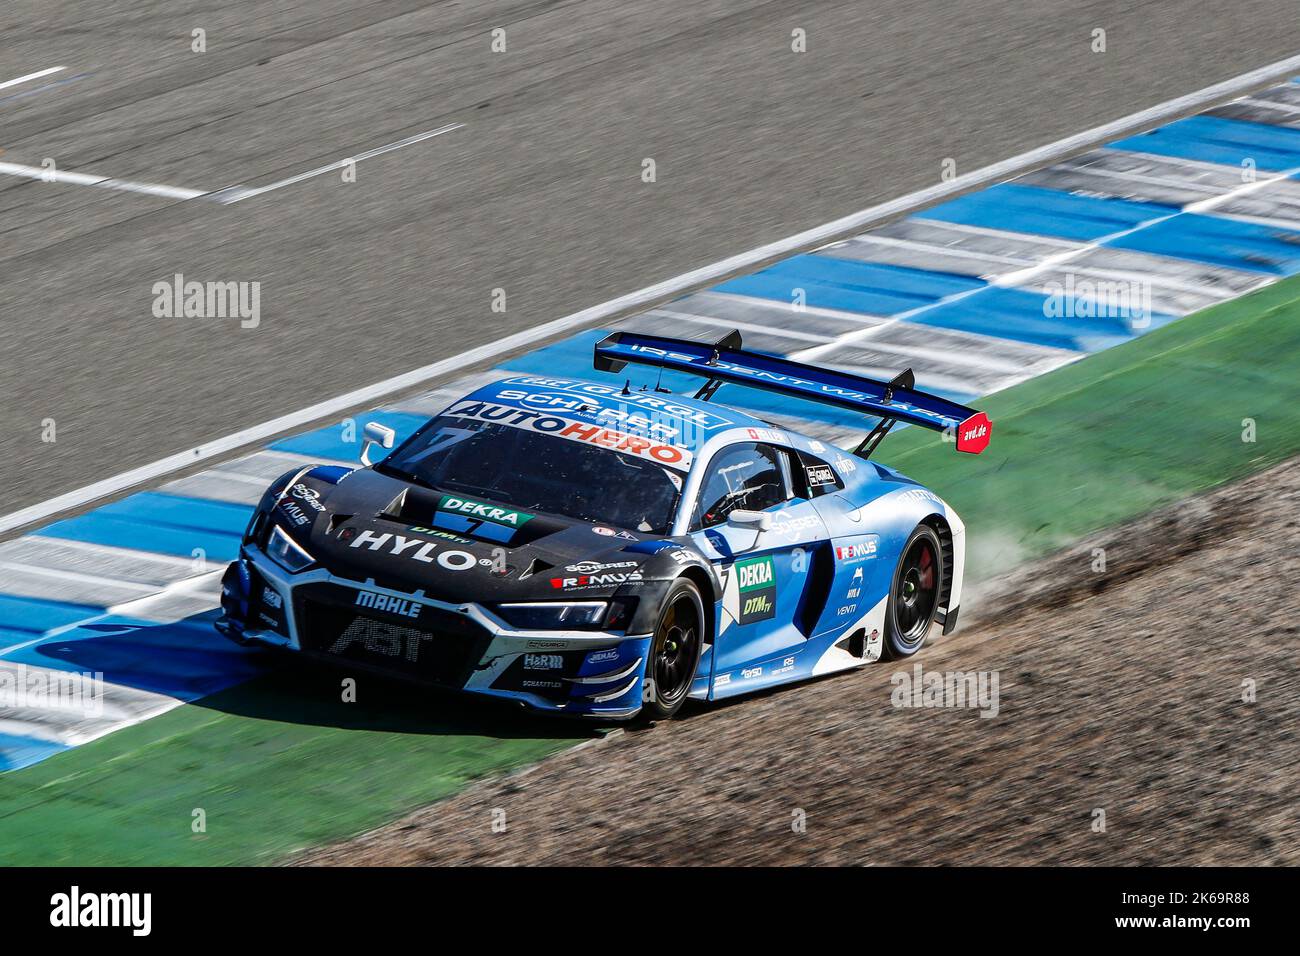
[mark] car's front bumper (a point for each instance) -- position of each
(464, 647)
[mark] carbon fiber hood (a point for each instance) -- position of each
(367, 526)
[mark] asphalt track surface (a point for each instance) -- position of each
(539, 194)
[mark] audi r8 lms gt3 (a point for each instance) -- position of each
(602, 550)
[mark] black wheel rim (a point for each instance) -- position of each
(917, 591)
(675, 647)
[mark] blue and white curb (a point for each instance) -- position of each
(1198, 211)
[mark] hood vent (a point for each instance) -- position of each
(412, 506)
(536, 566)
(394, 508)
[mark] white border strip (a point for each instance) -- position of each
(650, 295)
(54, 175)
(32, 76)
(235, 194)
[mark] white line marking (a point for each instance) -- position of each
(233, 194)
(136, 607)
(1023, 277)
(106, 182)
(1271, 105)
(109, 551)
(743, 326)
(1187, 185)
(648, 296)
(77, 577)
(32, 76)
(1004, 235)
(1269, 222)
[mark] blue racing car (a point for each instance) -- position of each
(606, 551)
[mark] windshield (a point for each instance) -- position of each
(537, 472)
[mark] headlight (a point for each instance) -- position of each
(543, 615)
(286, 552)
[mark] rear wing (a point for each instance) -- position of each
(726, 362)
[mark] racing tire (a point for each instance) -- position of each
(913, 594)
(674, 653)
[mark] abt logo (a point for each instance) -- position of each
(391, 643)
(388, 604)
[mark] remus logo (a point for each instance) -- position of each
(477, 509)
(74, 909)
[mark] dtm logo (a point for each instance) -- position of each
(392, 605)
(757, 581)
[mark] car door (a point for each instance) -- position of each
(768, 575)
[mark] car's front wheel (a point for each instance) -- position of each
(674, 651)
(914, 594)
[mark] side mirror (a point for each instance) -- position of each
(758, 520)
(376, 434)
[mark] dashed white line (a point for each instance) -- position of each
(233, 194)
(76, 577)
(1022, 277)
(55, 175)
(32, 76)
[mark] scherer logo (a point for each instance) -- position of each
(179, 299)
(757, 581)
(309, 496)
(485, 512)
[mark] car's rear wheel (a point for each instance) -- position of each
(674, 651)
(914, 594)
